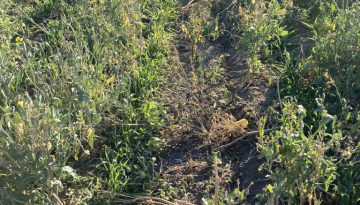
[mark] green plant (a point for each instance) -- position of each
(216, 70)
(300, 164)
(348, 180)
(198, 26)
(328, 67)
(259, 26)
(336, 48)
(76, 74)
(218, 181)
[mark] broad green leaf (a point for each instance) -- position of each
(284, 33)
(110, 80)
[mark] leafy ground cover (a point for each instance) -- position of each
(179, 102)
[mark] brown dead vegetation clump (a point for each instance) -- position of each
(224, 127)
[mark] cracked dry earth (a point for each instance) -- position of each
(198, 118)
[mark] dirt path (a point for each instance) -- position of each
(187, 163)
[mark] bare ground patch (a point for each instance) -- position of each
(202, 115)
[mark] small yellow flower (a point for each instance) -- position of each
(126, 20)
(110, 80)
(19, 39)
(21, 104)
(87, 152)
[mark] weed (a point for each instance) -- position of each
(300, 164)
(259, 26)
(219, 179)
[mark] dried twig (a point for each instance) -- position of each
(155, 200)
(58, 201)
(188, 4)
(255, 132)
(127, 198)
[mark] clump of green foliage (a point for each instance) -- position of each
(258, 26)
(316, 163)
(329, 64)
(221, 176)
(300, 163)
(199, 25)
(78, 83)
